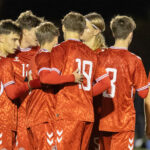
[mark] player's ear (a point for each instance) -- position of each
(24, 31)
(131, 35)
(96, 31)
(63, 28)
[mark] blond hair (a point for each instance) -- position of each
(97, 22)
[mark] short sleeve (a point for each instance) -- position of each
(149, 79)
(140, 77)
(100, 72)
(57, 58)
(43, 61)
(7, 73)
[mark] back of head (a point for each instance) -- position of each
(97, 20)
(74, 22)
(28, 20)
(121, 26)
(46, 32)
(9, 26)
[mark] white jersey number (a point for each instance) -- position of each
(2, 89)
(86, 75)
(24, 70)
(113, 86)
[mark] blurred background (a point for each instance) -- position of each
(54, 10)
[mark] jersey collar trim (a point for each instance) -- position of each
(74, 40)
(24, 49)
(120, 48)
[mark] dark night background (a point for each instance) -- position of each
(54, 10)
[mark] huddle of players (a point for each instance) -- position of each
(47, 90)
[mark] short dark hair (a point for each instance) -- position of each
(74, 21)
(28, 20)
(7, 26)
(121, 26)
(46, 32)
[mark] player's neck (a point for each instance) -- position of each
(90, 43)
(3, 53)
(71, 35)
(121, 43)
(24, 43)
(47, 47)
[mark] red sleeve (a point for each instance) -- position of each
(140, 79)
(12, 89)
(100, 72)
(101, 86)
(52, 77)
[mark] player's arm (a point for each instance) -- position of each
(12, 89)
(140, 80)
(147, 111)
(102, 81)
(49, 69)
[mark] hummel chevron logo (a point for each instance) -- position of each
(16, 59)
(49, 142)
(1, 134)
(130, 147)
(59, 139)
(50, 135)
(59, 133)
(131, 141)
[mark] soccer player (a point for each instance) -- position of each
(147, 110)
(74, 106)
(93, 38)
(127, 73)
(10, 34)
(28, 47)
(40, 107)
(92, 35)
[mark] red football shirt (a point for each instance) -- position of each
(75, 101)
(127, 75)
(21, 62)
(8, 110)
(40, 106)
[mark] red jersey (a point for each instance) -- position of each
(74, 101)
(8, 110)
(40, 106)
(21, 67)
(127, 74)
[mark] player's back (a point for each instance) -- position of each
(40, 105)
(74, 101)
(127, 74)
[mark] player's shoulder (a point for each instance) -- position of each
(134, 55)
(5, 62)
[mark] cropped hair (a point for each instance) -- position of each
(9, 26)
(46, 32)
(74, 21)
(27, 20)
(121, 26)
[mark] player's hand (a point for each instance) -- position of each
(78, 76)
(30, 76)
